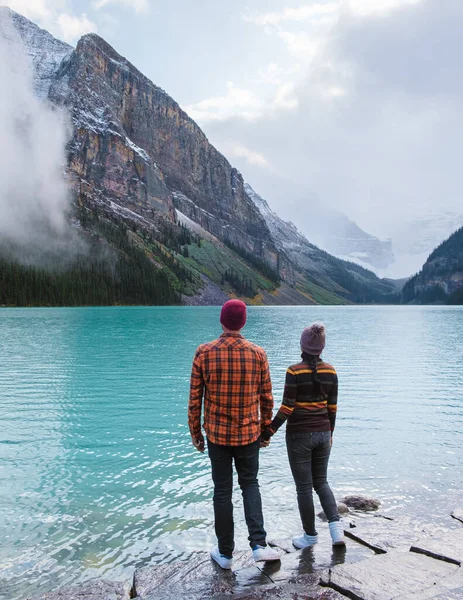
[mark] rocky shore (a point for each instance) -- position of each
(388, 557)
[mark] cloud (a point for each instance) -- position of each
(372, 124)
(236, 101)
(140, 6)
(252, 158)
(325, 12)
(34, 198)
(55, 16)
(73, 27)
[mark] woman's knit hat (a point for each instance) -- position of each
(233, 315)
(313, 339)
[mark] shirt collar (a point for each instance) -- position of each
(232, 335)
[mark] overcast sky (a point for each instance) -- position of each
(356, 101)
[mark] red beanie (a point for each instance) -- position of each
(233, 315)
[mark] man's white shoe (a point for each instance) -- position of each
(305, 541)
(223, 561)
(264, 553)
(337, 533)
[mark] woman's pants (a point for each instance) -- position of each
(308, 455)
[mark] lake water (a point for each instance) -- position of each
(97, 473)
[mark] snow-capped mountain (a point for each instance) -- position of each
(44, 50)
(316, 263)
(135, 155)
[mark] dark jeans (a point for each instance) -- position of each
(308, 455)
(247, 465)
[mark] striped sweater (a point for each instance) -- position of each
(303, 410)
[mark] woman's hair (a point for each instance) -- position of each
(312, 360)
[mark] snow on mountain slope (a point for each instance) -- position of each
(45, 51)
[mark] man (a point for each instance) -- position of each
(233, 376)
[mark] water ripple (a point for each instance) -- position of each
(97, 473)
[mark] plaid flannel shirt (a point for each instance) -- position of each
(233, 376)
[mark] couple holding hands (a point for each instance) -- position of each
(231, 385)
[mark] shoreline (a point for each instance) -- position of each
(408, 554)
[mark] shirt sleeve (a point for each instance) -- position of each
(196, 396)
(266, 396)
(333, 403)
(287, 406)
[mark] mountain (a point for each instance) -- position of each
(45, 51)
(441, 278)
(414, 240)
(325, 227)
(150, 187)
(320, 269)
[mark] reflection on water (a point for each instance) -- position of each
(97, 473)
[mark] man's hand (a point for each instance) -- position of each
(331, 442)
(198, 442)
(264, 443)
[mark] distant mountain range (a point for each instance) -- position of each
(149, 186)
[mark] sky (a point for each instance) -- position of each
(353, 103)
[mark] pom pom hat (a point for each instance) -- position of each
(233, 315)
(313, 339)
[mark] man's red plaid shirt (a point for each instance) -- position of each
(233, 377)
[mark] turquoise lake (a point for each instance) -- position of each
(97, 473)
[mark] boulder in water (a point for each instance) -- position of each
(361, 503)
(343, 509)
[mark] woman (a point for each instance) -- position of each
(309, 405)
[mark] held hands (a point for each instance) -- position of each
(198, 442)
(264, 443)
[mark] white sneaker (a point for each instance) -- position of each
(337, 533)
(223, 561)
(305, 541)
(263, 554)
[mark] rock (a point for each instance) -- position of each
(389, 577)
(383, 535)
(303, 590)
(308, 563)
(343, 509)
(458, 514)
(377, 547)
(449, 548)
(93, 590)
(361, 503)
(197, 578)
(450, 588)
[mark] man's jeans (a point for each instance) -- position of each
(308, 455)
(247, 465)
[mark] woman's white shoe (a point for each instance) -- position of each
(337, 533)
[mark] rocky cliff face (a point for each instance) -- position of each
(134, 145)
(137, 155)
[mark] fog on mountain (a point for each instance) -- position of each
(34, 196)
